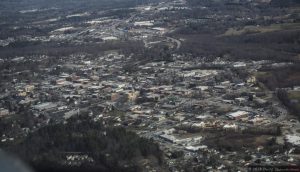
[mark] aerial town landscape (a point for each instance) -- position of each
(152, 85)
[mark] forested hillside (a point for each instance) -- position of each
(100, 148)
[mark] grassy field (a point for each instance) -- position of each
(262, 74)
(261, 29)
(295, 95)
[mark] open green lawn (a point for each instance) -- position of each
(261, 29)
(294, 95)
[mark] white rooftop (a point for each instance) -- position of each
(293, 139)
(237, 114)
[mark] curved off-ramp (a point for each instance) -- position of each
(176, 41)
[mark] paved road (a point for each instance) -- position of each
(176, 41)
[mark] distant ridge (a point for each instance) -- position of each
(284, 3)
